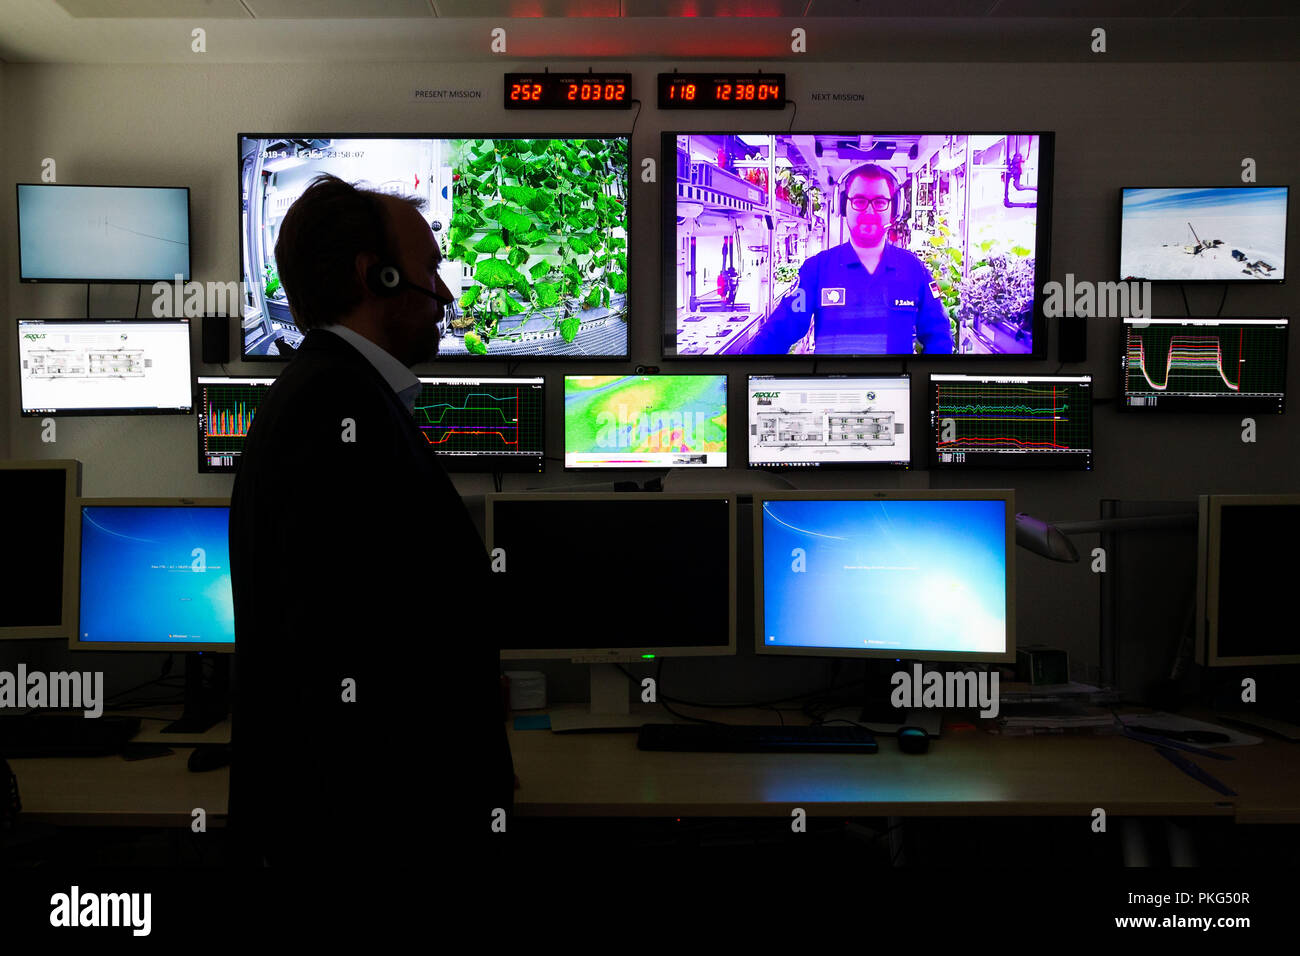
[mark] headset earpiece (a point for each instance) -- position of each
(384, 279)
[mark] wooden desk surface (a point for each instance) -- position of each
(111, 791)
(966, 773)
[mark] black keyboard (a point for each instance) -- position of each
(740, 738)
(65, 735)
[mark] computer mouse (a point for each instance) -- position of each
(913, 740)
(209, 757)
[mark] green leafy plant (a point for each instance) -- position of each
(785, 273)
(796, 190)
(944, 261)
(272, 280)
(535, 223)
(1001, 289)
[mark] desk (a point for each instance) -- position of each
(966, 773)
(111, 791)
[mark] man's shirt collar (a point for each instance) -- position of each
(399, 378)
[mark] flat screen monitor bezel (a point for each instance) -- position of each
(1119, 245)
(97, 412)
(189, 244)
(75, 643)
(667, 324)
(1208, 564)
(1211, 405)
(199, 416)
(828, 466)
(66, 630)
(450, 463)
(598, 654)
(470, 360)
(1005, 495)
(564, 424)
(1034, 463)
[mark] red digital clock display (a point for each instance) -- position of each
(554, 91)
(587, 91)
(720, 91)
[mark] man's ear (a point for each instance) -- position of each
(362, 265)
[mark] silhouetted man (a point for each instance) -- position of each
(368, 724)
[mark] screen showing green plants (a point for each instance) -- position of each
(533, 233)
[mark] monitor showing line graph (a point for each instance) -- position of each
(1211, 365)
(225, 411)
(484, 424)
(1011, 421)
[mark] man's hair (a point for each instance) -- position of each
(872, 171)
(321, 235)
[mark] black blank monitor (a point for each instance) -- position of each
(616, 576)
(1246, 579)
(103, 233)
(38, 585)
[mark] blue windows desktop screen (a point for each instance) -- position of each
(912, 575)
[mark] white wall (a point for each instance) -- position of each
(1118, 124)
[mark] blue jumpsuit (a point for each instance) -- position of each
(857, 312)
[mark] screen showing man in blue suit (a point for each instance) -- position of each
(855, 243)
(864, 296)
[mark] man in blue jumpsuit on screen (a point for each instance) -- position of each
(864, 296)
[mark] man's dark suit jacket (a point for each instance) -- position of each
(357, 560)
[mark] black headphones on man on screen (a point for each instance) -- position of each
(894, 188)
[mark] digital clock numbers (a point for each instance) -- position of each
(554, 91)
(720, 91)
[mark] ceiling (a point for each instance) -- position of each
(316, 31)
(504, 9)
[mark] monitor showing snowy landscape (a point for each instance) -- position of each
(1233, 234)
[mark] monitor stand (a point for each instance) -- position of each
(877, 708)
(206, 705)
(610, 710)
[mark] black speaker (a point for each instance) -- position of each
(216, 339)
(1073, 339)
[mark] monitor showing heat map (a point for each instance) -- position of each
(645, 421)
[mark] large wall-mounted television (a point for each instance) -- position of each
(104, 234)
(1214, 234)
(533, 231)
(855, 244)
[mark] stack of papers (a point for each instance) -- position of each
(1057, 717)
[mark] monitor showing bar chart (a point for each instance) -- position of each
(226, 408)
